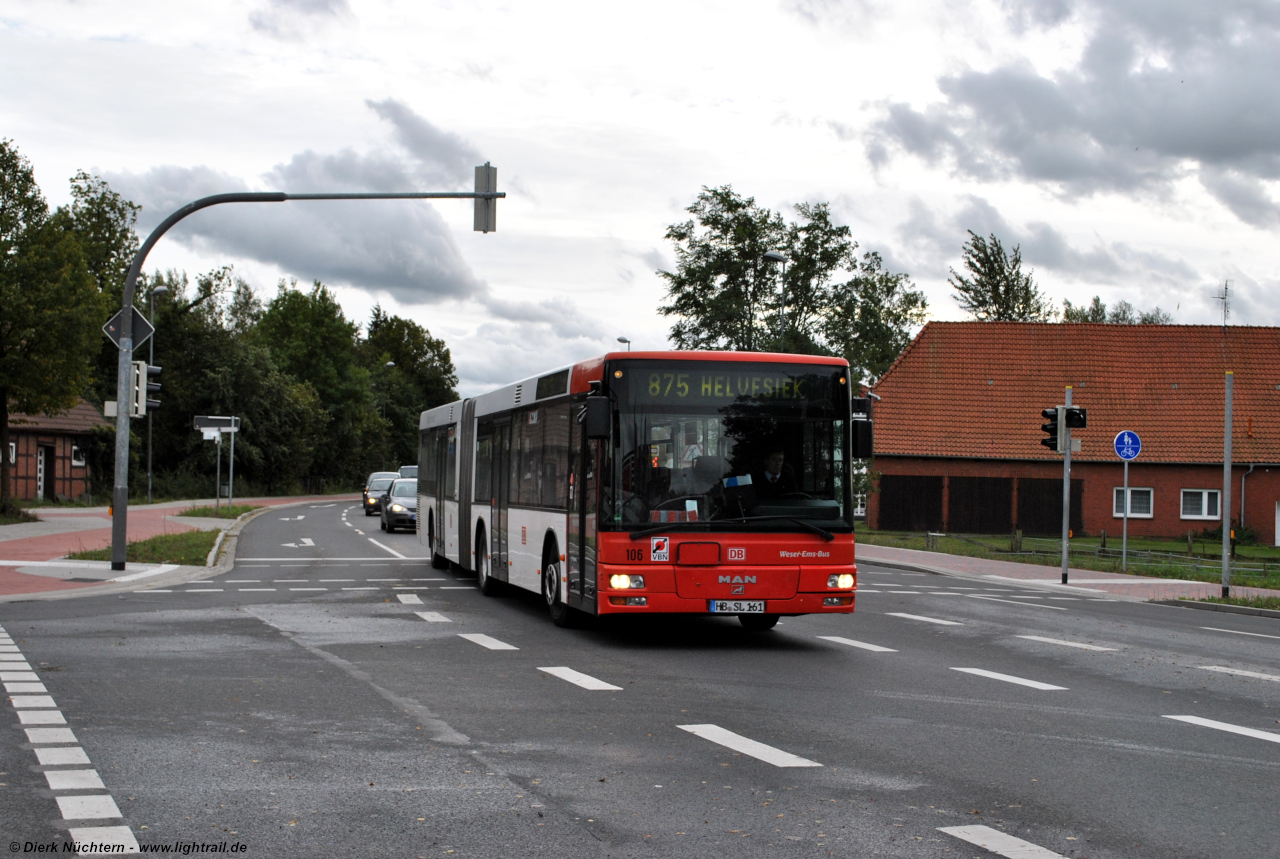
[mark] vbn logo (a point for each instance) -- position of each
(737, 554)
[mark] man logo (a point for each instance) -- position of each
(737, 580)
(737, 553)
(660, 549)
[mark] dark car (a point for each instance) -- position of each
(400, 505)
(408, 471)
(374, 487)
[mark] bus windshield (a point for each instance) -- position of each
(752, 445)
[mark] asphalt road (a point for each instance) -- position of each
(299, 706)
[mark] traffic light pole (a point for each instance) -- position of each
(1066, 489)
(484, 195)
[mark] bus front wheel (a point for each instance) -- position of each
(561, 614)
(758, 622)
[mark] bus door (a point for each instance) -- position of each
(499, 566)
(583, 492)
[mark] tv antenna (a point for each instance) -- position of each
(1224, 295)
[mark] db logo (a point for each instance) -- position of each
(739, 554)
(660, 549)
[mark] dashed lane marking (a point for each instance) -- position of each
(1236, 671)
(925, 619)
(457, 588)
(577, 678)
(485, 641)
(256, 590)
(241, 581)
(874, 648)
(1224, 726)
(201, 591)
(1015, 602)
(15, 688)
(61, 757)
(308, 589)
(291, 581)
(868, 591)
(410, 599)
(88, 807)
(739, 743)
(915, 593)
(944, 594)
(410, 588)
(434, 617)
(362, 589)
(74, 780)
(999, 843)
(1064, 643)
(337, 580)
(1238, 632)
(1007, 678)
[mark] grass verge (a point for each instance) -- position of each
(15, 516)
(189, 547)
(988, 546)
(1272, 603)
(221, 512)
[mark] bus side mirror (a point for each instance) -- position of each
(863, 442)
(598, 418)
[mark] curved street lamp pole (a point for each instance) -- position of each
(778, 256)
(486, 177)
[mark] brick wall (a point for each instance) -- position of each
(1262, 491)
(64, 478)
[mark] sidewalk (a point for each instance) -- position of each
(1118, 585)
(30, 552)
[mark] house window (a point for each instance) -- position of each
(13, 452)
(1200, 503)
(1140, 505)
(77, 456)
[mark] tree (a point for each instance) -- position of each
(997, 290)
(1123, 313)
(51, 308)
(725, 295)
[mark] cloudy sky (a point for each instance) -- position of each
(1132, 147)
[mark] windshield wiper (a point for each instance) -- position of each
(821, 532)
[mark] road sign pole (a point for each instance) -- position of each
(1225, 507)
(1124, 539)
(1066, 491)
(231, 475)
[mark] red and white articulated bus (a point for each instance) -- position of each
(654, 482)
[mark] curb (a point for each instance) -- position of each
(1213, 606)
(226, 545)
(1042, 584)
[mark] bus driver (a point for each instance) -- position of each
(777, 479)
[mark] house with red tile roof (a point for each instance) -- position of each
(46, 453)
(958, 428)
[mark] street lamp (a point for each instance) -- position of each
(625, 340)
(779, 256)
(158, 289)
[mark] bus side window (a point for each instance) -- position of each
(484, 465)
(555, 456)
(426, 463)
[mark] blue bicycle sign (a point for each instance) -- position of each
(1128, 445)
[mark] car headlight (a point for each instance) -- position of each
(396, 508)
(371, 501)
(622, 581)
(843, 581)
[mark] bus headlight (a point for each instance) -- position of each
(622, 581)
(843, 581)
(396, 508)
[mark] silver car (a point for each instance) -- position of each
(400, 505)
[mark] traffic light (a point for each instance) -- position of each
(1054, 428)
(152, 387)
(1076, 417)
(486, 220)
(138, 389)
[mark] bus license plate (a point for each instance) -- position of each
(736, 606)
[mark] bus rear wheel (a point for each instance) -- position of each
(561, 614)
(758, 622)
(489, 586)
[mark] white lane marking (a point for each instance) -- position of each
(925, 619)
(875, 648)
(292, 519)
(1025, 597)
(410, 588)
(958, 588)
(8, 648)
(387, 548)
(944, 594)
(337, 580)
(114, 839)
(426, 580)
(451, 588)
(999, 843)
(145, 574)
(917, 593)
(156, 591)
(739, 743)
(256, 590)
(303, 543)
(1015, 602)
(379, 580)
(290, 581)
(45, 736)
(410, 599)
(308, 589)
(348, 524)
(1068, 599)
(577, 678)
(1034, 684)
(14, 688)
(241, 581)
(322, 506)
(485, 641)
(88, 807)
(202, 591)
(14, 666)
(1063, 643)
(1238, 632)
(362, 589)
(61, 757)
(1226, 670)
(41, 717)
(433, 617)
(867, 591)
(1224, 726)
(32, 701)
(74, 780)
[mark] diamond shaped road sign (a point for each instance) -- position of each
(142, 329)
